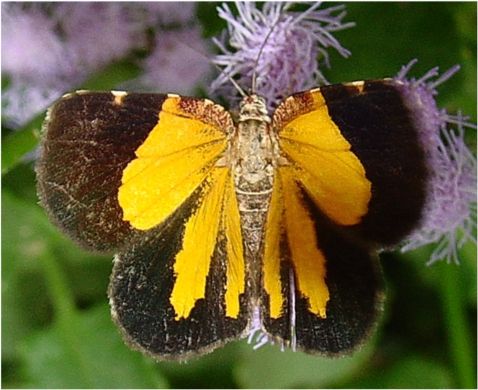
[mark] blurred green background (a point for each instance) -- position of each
(56, 326)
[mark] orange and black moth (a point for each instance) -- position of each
(222, 227)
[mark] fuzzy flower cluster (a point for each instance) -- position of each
(449, 217)
(180, 57)
(282, 48)
(276, 44)
(48, 49)
(275, 51)
(51, 48)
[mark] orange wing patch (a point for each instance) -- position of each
(192, 263)
(236, 272)
(322, 158)
(288, 214)
(272, 253)
(217, 212)
(307, 259)
(173, 161)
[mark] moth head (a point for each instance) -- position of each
(253, 107)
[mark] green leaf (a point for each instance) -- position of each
(19, 143)
(459, 330)
(468, 258)
(99, 360)
(25, 236)
(214, 370)
(76, 349)
(413, 372)
(111, 76)
(416, 344)
(20, 182)
(268, 367)
(418, 372)
(388, 35)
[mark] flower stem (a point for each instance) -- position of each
(66, 320)
(456, 322)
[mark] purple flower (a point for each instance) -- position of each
(35, 58)
(98, 33)
(48, 49)
(449, 216)
(285, 39)
(31, 49)
(166, 13)
(178, 63)
(289, 43)
(21, 101)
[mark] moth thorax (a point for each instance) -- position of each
(254, 150)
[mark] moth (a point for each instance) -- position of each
(220, 228)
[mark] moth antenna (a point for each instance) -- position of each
(233, 82)
(208, 59)
(261, 49)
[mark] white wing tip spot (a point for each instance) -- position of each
(119, 96)
(359, 85)
(77, 92)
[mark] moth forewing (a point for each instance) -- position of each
(225, 228)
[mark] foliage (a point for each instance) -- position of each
(56, 328)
